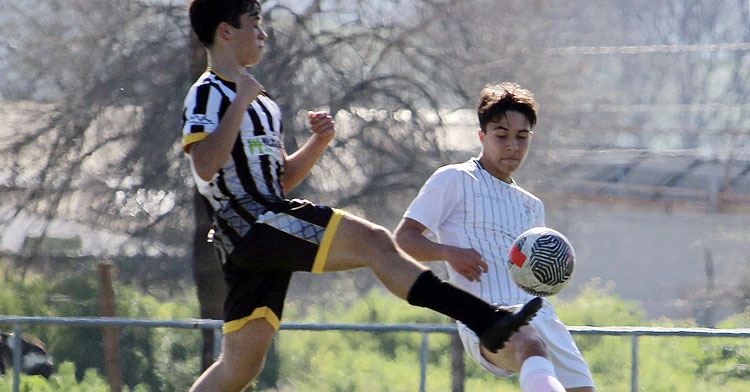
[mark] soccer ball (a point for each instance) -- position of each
(541, 261)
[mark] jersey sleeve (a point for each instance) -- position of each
(436, 200)
(539, 219)
(200, 114)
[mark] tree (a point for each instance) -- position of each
(105, 152)
(101, 154)
(92, 109)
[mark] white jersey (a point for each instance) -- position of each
(463, 205)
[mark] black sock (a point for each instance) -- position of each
(429, 291)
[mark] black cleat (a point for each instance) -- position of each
(509, 321)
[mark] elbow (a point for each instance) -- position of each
(204, 173)
(286, 188)
(403, 241)
(406, 236)
(400, 237)
(201, 167)
(287, 184)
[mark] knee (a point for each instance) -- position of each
(381, 238)
(531, 345)
(522, 345)
(377, 241)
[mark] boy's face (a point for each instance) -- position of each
(248, 40)
(505, 143)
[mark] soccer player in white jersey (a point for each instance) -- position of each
(475, 210)
(232, 132)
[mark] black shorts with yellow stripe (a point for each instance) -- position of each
(295, 238)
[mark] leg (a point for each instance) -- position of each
(252, 313)
(293, 240)
(527, 354)
(242, 355)
(531, 351)
(358, 243)
(523, 344)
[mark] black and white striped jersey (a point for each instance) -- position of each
(463, 205)
(249, 183)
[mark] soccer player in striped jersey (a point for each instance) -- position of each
(232, 132)
(473, 211)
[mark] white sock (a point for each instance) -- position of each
(538, 375)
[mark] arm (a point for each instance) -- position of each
(299, 164)
(467, 262)
(211, 153)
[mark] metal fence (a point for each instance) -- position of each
(425, 329)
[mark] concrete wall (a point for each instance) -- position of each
(655, 256)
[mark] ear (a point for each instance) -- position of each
(224, 31)
(481, 134)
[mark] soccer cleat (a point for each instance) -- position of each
(508, 322)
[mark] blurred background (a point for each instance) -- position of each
(641, 153)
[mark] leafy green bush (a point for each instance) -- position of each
(155, 358)
(677, 364)
(372, 361)
(354, 361)
(64, 380)
(167, 359)
(351, 361)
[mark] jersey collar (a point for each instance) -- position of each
(479, 165)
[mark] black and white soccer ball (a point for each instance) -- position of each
(541, 261)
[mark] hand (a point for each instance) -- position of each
(467, 262)
(322, 124)
(247, 89)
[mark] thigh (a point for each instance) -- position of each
(253, 296)
(354, 241)
(570, 366)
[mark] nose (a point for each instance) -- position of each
(262, 34)
(512, 144)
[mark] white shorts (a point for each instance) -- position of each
(570, 367)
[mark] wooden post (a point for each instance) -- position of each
(112, 356)
(209, 280)
(708, 305)
(458, 367)
(634, 366)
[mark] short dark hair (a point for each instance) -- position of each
(205, 15)
(496, 99)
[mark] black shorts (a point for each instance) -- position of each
(295, 238)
